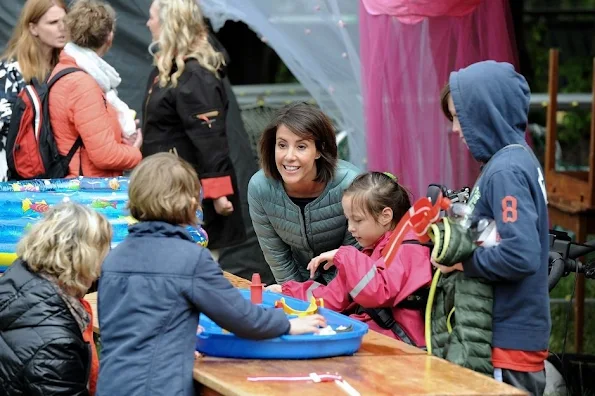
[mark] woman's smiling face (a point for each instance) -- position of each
(295, 157)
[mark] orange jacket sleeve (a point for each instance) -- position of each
(89, 114)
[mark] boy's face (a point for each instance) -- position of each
(456, 125)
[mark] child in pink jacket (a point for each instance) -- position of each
(373, 206)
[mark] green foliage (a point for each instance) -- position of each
(575, 126)
(575, 73)
(563, 314)
(284, 75)
(563, 318)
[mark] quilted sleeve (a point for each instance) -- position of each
(202, 107)
(276, 252)
(57, 369)
(470, 343)
(89, 113)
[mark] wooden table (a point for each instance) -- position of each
(369, 375)
(382, 366)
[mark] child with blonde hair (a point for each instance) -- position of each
(377, 292)
(155, 284)
(47, 326)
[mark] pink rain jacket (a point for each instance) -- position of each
(363, 279)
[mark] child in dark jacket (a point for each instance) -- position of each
(487, 103)
(155, 284)
(373, 204)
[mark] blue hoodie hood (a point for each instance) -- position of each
(491, 101)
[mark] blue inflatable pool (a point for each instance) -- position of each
(214, 341)
(23, 203)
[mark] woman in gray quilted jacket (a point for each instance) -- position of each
(295, 199)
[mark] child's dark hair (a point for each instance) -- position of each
(373, 191)
(444, 94)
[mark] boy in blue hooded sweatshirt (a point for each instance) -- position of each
(155, 284)
(488, 103)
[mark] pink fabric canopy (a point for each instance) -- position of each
(413, 11)
(404, 67)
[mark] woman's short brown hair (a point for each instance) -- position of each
(164, 188)
(308, 122)
(90, 22)
(444, 94)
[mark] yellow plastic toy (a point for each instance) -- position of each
(315, 303)
(7, 258)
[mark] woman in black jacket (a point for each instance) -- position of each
(46, 343)
(185, 111)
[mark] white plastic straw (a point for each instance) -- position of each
(350, 390)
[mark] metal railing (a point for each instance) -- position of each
(277, 95)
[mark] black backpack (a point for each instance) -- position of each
(31, 150)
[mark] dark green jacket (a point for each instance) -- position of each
(290, 239)
(469, 343)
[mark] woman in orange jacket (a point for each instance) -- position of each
(85, 103)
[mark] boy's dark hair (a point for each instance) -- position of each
(373, 191)
(308, 122)
(444, 94)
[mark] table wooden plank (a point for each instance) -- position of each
(369, 375)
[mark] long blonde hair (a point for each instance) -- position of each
(183, 35)
(69, 243)
(24, 48)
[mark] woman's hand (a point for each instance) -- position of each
(306, 324)
(445, 269)
(222, 206)
(327, 257)
(274, 289)
(135, 140)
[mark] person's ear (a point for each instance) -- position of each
(109, 41)
(386, 216)
(194, 204)
(33, 29)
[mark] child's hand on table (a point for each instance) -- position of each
(327, 258)
(274, 288)
(306, 324)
